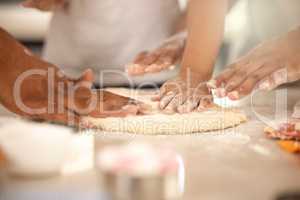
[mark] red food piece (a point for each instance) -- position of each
(287, 127)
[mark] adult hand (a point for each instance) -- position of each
(38, 90)
(162, 58)
(267, 66)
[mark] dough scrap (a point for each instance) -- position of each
(163, 124)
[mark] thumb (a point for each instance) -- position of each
(87, 76)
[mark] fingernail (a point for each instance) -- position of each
(220, 92)
(234, 95)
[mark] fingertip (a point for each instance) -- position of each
(87, 75)
(220, 92)
(234, 95)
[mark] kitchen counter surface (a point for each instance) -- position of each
(238, 163)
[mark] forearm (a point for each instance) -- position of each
(205, 23)
(15, 60)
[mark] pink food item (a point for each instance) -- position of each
(138, 160)
(141, 171)
(286, 131)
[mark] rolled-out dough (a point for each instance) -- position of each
(157, 123)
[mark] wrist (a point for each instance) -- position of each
(193, 78)
(190, 73)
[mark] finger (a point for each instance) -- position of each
(128, 110)
(164, 62)
(226, 75)
(168, 88)
(244, 71)
(255, 79)
(190, 104)
(157, 67)
(149, 59)
(83, 85)
(280, 77)
(165, 100)
(140, 57)
(177, 101)
(235, 80)
(67, 118)
(87, 76)
(205, 102)
(220, 92)
(135, 69)
(234, 95)
(248, 86)
(170, 56)
(274, 80)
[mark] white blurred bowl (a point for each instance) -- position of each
(33, 149)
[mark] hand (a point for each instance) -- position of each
(44, 5)
(72, 99)
(38, 90)
(267, 66)
(164, 57)
(180, 96)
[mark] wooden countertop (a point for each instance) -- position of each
(234, 164)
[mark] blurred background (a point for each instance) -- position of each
(27, 25)
(249, 22)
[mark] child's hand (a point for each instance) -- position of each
(44, 5)
(267, 66)
(180, 96)
(164, 57)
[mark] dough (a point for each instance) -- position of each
(157, 123)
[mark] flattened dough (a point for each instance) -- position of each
(163, 124)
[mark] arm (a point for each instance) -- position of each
(265, 67)
(36, 89)
(205, 24)
(205, 32)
